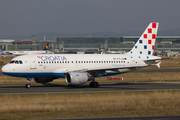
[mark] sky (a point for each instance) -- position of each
(26, 17)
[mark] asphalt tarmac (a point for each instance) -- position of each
(103, 88)
(130, 118)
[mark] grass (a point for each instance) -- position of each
(86, 105)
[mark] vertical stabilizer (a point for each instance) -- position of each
(2, 49)
(145, 44)
(46, 47)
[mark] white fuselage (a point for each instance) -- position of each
(56, 65)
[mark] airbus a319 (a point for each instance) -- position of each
(81, 68)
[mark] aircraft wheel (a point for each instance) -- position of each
(91, 84)
(27, 85)
(94, 84)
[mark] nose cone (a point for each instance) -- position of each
(4, 69)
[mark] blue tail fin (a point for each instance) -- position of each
(46, 47)
(2, 49)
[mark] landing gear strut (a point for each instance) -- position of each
(28, 85)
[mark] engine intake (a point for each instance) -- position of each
(76, 78)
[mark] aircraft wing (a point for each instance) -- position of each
(103, 70)
(108, 68)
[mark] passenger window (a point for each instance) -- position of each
(62, 61)
(81, 61)
(86, 61)
(44, 62)
(57, 61)
(41, 62)
(47, 62)
(38, 62)
(16, 62)
(72, 61)
(65, 62)
(102, 61)
(99, 61)
(68, 61)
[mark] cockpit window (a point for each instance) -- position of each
(20, 62)
(11, 61)
(16, 62)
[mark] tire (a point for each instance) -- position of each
(96, 85)
(91, 84)
(27, 86)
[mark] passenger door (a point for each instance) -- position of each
(32, 63)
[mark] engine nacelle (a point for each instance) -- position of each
(43, 80)
(76, 78)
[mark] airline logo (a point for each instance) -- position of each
(145, 44)
(124, 58)
(52, 58)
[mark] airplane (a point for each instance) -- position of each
(2, 49)
(80, 68)
(44, 51)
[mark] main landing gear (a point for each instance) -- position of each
(28, 85)
(94, 84)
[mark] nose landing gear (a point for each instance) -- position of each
(28, 85)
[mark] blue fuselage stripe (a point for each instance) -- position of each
(53, 75)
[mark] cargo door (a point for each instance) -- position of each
(32, 63)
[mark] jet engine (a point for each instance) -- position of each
(43, 80)
(76, 78)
